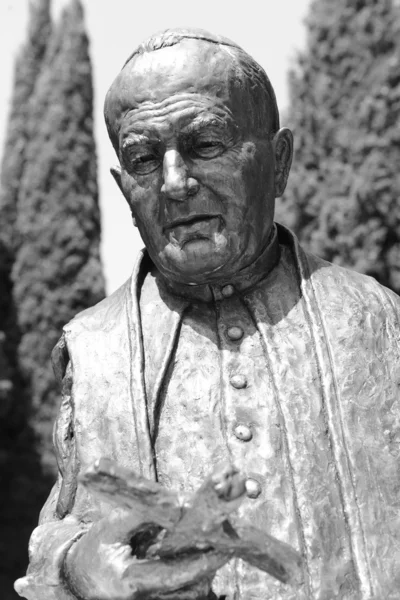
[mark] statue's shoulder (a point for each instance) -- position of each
(89, 320)
(334, 283)
(111, 312)
(102, 314)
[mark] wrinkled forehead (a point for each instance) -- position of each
(189, 67)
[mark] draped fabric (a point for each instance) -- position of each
(330, 341)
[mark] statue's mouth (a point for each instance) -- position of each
(189, 220)
(194, 228)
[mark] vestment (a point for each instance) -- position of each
(331, 345)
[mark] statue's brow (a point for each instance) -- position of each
(205, 122)
(135, 139)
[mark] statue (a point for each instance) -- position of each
(228, 345)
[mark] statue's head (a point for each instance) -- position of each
(194, 122)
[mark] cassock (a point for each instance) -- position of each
(290, 370)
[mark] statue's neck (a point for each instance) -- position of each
(242, 281)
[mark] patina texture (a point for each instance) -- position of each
(189, 526)
(228, 343)
(325, 422)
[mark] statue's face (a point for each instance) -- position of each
(198, 178)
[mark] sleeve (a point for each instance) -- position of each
(58, 529)
(391, 302)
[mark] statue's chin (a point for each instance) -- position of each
(196, 261)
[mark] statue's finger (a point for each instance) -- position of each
(167, 576)
(122, 488)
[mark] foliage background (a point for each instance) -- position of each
(49, 262)
(270, 31)
(343, 198)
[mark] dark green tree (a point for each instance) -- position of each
(57, 270)
(343, 197)
(21, 478)
(27, 68)
(51, 213)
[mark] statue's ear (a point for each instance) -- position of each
(116, 173)
(283, 149)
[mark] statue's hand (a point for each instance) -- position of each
(108, 563)
(154, 546)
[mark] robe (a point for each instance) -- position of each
(333, 355)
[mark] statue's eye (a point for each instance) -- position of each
(145, 163)
(141, 159)
(207, 148)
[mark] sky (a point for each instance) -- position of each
(271, 31)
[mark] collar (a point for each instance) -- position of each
(243, 281)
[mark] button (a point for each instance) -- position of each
(253, 488)
(227, 291)
(238, 381)
(243, 433)
(235, 333)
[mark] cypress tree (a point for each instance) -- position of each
(52, 251)
(27, 68)
(57, 270)
(21, 479)
(343, 194)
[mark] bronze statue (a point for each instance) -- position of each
(229, 344)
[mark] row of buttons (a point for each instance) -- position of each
(238, 381)
(227, 291)
(234, 333)
(242, 432)
(253, 488)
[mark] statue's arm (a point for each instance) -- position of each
(71, 560)
(391, 304)
(58, 530)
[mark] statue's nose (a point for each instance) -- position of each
(177, 183)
